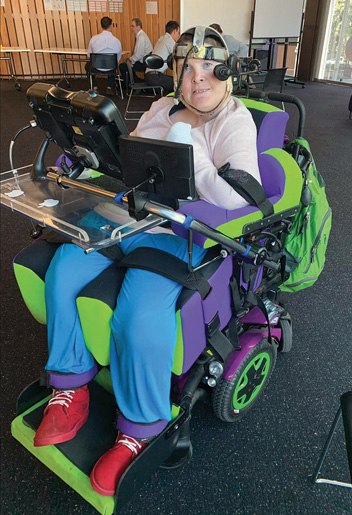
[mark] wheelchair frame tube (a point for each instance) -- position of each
(168, 214)
(205, 230)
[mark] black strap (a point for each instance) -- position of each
(236, 299)
(113, 252)
(255, 300)
(219, 345)
(236, 306)
(248, 187)
(163, 263)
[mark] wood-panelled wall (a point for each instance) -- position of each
(25, 23)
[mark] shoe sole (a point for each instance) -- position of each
(63, 438)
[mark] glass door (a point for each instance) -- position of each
(336, 58)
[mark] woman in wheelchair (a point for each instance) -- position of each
(143, 325)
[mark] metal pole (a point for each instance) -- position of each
(346, 407)
(327, 444)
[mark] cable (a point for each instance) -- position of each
(31, 124)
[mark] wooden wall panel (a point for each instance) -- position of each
(56, 20)
(290, 58)
(176, 10)
(27, 32)
(4, 41)
(18, 22)
(35, 29)
(25, 23)
(12, 36)
(46, 59)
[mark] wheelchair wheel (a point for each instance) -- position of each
(285, 344)
(232, 399)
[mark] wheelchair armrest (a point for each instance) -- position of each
(211, 215)
(282, 182)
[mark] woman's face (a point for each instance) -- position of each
(200, 88)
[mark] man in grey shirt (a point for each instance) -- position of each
(104, 43)
(142, 47)
(235, 47)
(164, 48)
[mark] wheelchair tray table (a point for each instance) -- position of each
(64, 210)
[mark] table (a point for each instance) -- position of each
(65, 55)
(69, 55)
(9, 51)
(46, 203)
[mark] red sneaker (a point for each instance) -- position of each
(64, 415)
(110, 467)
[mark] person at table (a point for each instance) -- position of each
(164, 48)
(143, 325)
(235, 46)
(104, 43)
(142, 47)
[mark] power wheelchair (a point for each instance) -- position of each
(230, 323)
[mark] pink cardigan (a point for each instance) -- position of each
(230, 137)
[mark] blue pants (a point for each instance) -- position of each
(143, 324)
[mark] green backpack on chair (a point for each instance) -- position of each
(306, 245)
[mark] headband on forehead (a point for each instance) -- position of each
(200, 51)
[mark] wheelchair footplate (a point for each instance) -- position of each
(74, 460)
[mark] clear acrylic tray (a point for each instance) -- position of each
(69, 211)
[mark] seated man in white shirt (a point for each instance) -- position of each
(142, 47)
(105, 43)
(234, 46)
(164, 48)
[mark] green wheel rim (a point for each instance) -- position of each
(251, 380)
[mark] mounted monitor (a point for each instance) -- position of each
(158, 167)
(86, 126)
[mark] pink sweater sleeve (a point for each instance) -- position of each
(230, 139)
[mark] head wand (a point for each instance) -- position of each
(179, 85)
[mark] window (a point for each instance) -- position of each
(336, 60)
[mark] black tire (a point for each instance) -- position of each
(285, 343)
(232, 399)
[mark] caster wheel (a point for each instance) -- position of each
(171, 465)
(285, 344)
(232, 399)
(18, 86)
